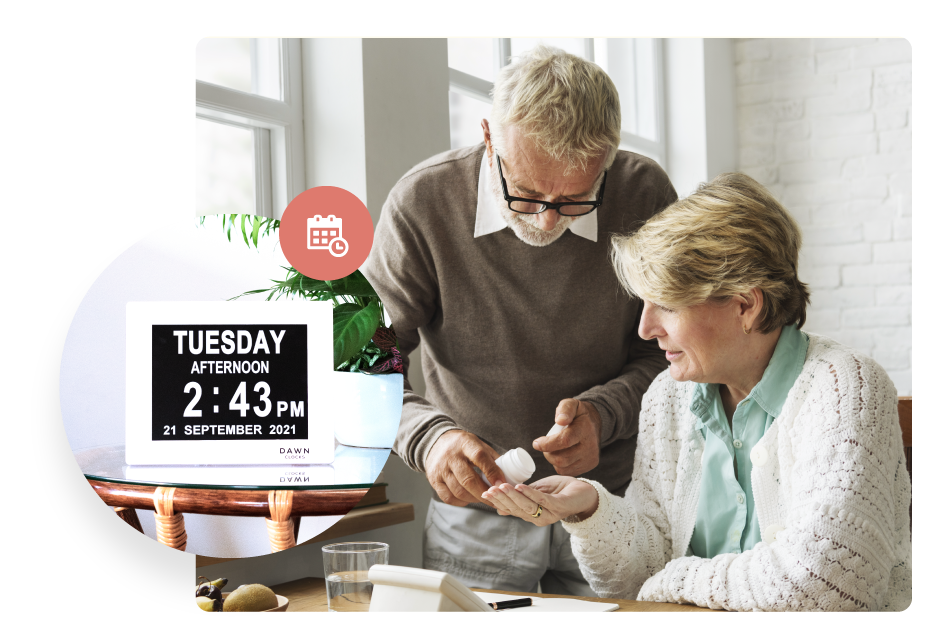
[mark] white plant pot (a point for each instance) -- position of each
(366, 409)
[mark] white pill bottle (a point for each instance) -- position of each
(517, 466)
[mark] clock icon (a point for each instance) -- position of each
(338, 247)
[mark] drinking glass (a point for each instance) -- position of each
(346, 573)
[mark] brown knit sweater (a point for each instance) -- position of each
(509, 329)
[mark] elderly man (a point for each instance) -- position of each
(496, 258)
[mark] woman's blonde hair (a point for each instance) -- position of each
(568, 106)
(727, 238)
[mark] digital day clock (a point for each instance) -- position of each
(228, 383)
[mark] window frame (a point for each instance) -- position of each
(480, 89)
(277, 125)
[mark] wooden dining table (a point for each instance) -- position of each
(307, 595)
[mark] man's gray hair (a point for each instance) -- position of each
(568, 106)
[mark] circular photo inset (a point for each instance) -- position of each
(223, 403)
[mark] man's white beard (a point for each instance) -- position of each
(525, 226)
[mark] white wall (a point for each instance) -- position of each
(333, 114)
(826, 125)
(406, 116)
(373, 109)
(700, 110)
(685, 107)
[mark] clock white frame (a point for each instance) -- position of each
(141, 449)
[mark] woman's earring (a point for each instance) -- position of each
(747, 331)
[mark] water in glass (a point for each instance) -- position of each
(349, 591)
(346, 574)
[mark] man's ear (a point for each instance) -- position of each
(488, 144)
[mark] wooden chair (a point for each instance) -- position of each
(904, 420)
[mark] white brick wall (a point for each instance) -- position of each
(825, 124)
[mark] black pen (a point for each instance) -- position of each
(512, 603)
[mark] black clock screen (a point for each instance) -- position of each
(230, 382)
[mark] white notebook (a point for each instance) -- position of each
(550, 604)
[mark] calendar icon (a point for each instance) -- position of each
(326, 233)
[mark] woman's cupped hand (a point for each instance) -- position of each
(559, 496)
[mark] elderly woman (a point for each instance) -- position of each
(769, 472)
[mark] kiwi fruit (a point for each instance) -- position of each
(250, 599)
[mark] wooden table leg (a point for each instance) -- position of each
(280, 525)
(129, 515)
(170, 527)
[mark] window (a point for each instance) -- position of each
(634, 65)
(473, 64)
(249, 114)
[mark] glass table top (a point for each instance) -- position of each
(353, 467)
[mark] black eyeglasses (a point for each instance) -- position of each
(565, 208)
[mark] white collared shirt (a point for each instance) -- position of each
(488, 217)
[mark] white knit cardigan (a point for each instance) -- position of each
(831, 490)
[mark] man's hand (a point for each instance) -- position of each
(574, 450)
(449, 468)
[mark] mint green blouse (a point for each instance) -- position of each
(725, 517)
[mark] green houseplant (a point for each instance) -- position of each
(361, 341)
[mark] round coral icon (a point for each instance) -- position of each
(326, 233)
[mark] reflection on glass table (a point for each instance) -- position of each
(280, 493)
